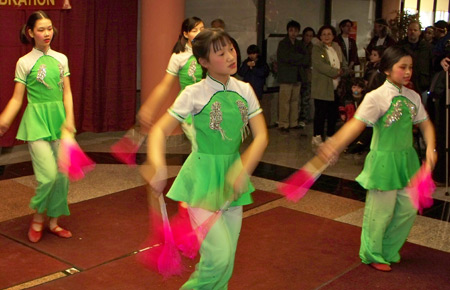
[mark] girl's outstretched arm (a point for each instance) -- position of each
(427, 129)
(330, 149)
(69, 124)
(153, 103)
(12, 108)
(253, 154)
(156, 151)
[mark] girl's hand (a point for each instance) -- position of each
(238, 178)
(3, 127)
(445, 63)
(327, 152)
(69, 127)
(155, 176)
(431, 156)
(145, 118)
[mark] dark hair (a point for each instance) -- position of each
(293, 24)
(390, 57)
(187, 25)
(344, 22)
(359, 82)
(416, 22)
(31, 22)
(441, 24)
(308, 29)
(381, 21)
(380, 49)
(253, 48)
(326, 26)
(216, 37)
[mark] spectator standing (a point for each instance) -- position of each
(347, 44)
(380, 36)
(328, 65)
(292, 59)
(420, 51)
(305, 90)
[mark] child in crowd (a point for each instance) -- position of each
(351, 103)
(305, 91)
(374, 61)
(221, 107)
(358, 90)
(44, 74)
(254, 70)
(392, 110)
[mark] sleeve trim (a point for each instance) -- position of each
(251, 115)
(363, 120)
(175, 115)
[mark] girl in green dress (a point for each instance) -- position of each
(392, 110)
(182, 67)
(221, 107)
(44, 74)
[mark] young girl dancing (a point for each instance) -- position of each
(214, 173)
(391, 109)
(182, 66)
(44, 73)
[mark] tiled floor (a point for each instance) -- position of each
(335, 195)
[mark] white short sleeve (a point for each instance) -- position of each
(254, 108)
(369, 110)
(183, 106)
(174, 65)
(21, 72)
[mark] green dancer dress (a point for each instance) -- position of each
(391, 162)
(43, 75)
(190, 73)
(218, 132)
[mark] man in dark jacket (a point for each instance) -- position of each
(422, 57)
(292, 58)
(347, 44)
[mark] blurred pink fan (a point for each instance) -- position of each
(72, 161)
(183, 234)
(296, 186)
(169, 262)
(190, 240)
(421, 188)
(126, 148)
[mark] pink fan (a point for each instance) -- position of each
(192, 239)
(421, 188)
(72, 161)
(126, 148)
(296, 186)
(183, 234)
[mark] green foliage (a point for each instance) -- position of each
(399, 25)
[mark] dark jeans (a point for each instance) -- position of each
(325, 111)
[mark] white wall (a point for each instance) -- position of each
(306, 12)
(239, 16)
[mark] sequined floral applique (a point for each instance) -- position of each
(192, 69)
(42, 72)
(61, 77)
(397, 112)
(245, 130)
(215, 118)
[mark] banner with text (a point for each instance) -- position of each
(35, 4)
